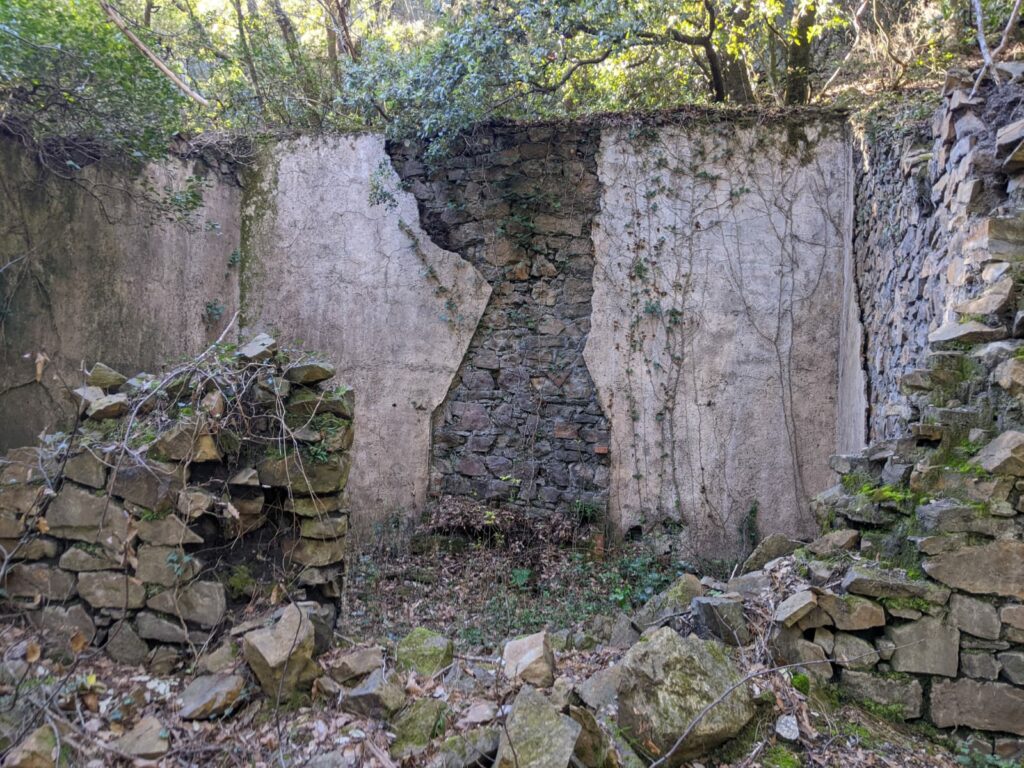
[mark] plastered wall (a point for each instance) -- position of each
(715, 343)
(130, 266)
(643, 318)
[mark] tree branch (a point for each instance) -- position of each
(182, 86)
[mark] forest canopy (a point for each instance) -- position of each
(128, 74)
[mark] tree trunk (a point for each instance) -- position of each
(798, 58)
(738, 88)
(247, 59)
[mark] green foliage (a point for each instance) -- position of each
(801, 682)
(975, 759)
(892, 713)
(70, 79)
(779, 756)
(520, 577)
(417, 69)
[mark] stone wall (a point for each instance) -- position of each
(120, 264)
(925, 616)
(334, 255)
(177, 500)
(459, 301)
(920, 189)
(521, 421)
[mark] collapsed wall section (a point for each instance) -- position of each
(334, 256)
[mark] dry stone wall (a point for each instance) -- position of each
(178, 499)
(917, 590)
(922, 191)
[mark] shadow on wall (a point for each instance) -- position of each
(133, 266)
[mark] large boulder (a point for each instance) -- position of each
(536, 734)
(530, 659)
(281, 656)
(1004, 455)
(666, 682)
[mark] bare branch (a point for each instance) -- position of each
(182, 86)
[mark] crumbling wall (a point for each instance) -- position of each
(521, 422)
(179, 498)
(129, 265)
(549, 318)
(918, 189)
(334, 256)
(716, 319)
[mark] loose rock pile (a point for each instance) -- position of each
(174, 498)
(917, 593)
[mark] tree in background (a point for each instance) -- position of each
(78, 75)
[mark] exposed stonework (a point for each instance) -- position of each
(159, 549)
(521, 421)
(391, 308)
(920, 191)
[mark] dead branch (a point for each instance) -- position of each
(181, 85)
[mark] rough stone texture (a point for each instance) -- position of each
(424, 652)
(926, 646)
(907, 694)
(993, 569)
(976, 617)
(281, 656)
(912, 245)
(110, 589)
(210, 696)
(721, 396)
(98, 251)
(536, 734)
(665, 681)
(987, 706)
(530, 659)
(522, 418)
(376, 696)
(202, 602)
(380, 309)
